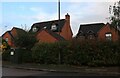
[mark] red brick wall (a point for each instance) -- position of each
(66, 30)
(14, 32)
(104, 30)
(43, 36)
(7, 35)
(10, 40)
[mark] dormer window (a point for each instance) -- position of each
(34, 29)
(90, 32)
(108, 36)
(53, 27)
(45, 27)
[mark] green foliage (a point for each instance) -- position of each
(86, 53)
(6, 55)
(78, 53)
(26, 56)
(25, 40)
(115, 14)
(5, 45)
(47, 53)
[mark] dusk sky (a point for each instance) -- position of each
(21, 14)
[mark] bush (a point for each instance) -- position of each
(6, 55)
(26, 56)
(78, 53)
(47, 53)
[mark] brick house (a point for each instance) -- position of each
(10, 35)
(53, 31)
(97, 31)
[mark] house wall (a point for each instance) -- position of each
(10, 39)
(106, 29)
(66, 30)
(14, 32)
(7, 35)
(43, 36)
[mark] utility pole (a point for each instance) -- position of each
(59, 10)
(59, 30)
(59, 17)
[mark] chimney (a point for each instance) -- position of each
(67, 18)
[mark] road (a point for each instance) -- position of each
(13, 73)
(21, 72)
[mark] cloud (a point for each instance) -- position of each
(80, 12)
(36, 9)
(88, 12)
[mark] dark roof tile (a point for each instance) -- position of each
(90, 27)
(48, 24)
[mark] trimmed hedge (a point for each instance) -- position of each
(20, 56)
(78, 53)
(6, 55)
(86, 53)
(48, 53)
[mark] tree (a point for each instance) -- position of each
(24, 40)
(4, 45)
(115, 15)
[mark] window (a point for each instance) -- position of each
(108, 36)
(90, 31)
(45, 27)
(6, 39)
(34, 29)
(53, 27)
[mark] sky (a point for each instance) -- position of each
(24, 14)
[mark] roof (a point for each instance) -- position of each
(18, 29)
(94, 28)
(9, 32)
(48, 24)
(55, 35)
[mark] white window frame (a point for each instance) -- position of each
(53, 27)
(45, 27)
(108, 36)
(6, 39)
(34, 29)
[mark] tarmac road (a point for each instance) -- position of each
(20, 73)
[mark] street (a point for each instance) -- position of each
(21, 72)
(14, 73)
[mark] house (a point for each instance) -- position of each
(53, 31)
(10, 35)
(97, 31)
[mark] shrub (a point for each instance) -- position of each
(75, 52)
(6, 55)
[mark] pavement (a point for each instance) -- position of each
(109, 71)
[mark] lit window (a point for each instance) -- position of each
(6, 39)
(108, 36)
(53, 27)
(34, 29)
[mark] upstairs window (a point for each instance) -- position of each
(90, 32)
(45, 27)
(6, 39)
(108, 36)
(53, 27)
(34, 29)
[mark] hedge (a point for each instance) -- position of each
(20, 56)
(78, 53)
(86, 53)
